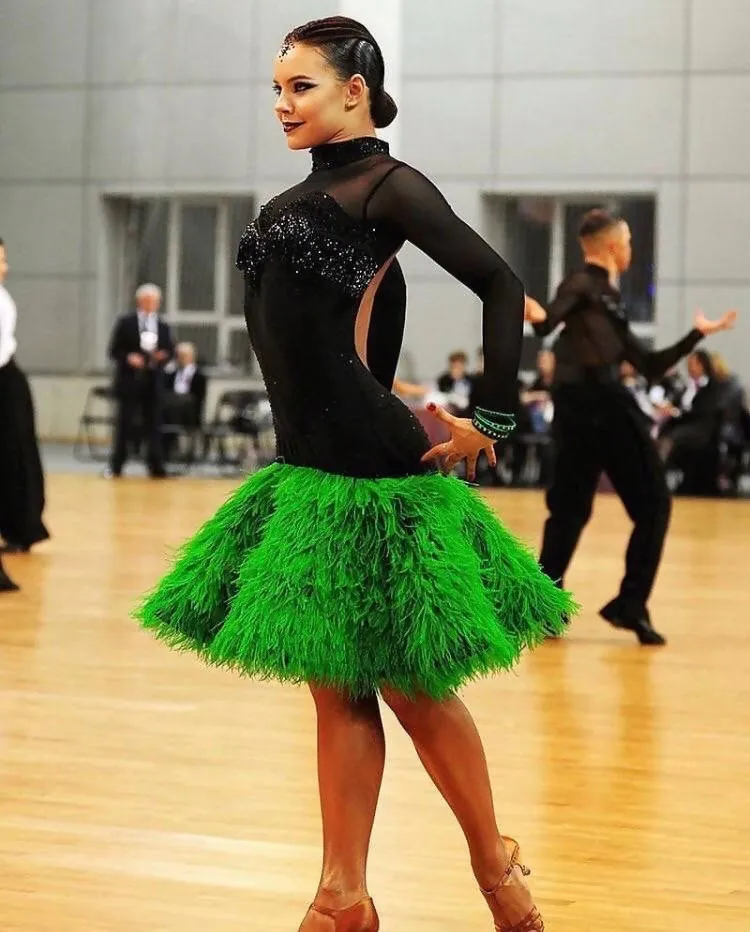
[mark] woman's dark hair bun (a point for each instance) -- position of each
(384, 109)
(350, 48)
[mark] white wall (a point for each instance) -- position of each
(174, 95)
(587, 95)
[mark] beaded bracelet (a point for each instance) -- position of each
(495, 424)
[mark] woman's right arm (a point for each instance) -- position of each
(412, 203)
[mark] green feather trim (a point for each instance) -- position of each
(306, 576)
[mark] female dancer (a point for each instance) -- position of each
(352, 564)
(21, 473)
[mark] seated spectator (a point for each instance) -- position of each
(693, 435)
(667, 392)
(734, 429)
(652, 402)
(732, 399)
(456, 384)
(537, 398)
(186, 385)
(185, 396)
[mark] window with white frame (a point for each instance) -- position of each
(187, 246)
(538, 235)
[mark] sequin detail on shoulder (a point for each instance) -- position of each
(315, 236)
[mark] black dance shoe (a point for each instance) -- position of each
(6, 583)
(641, 626)
(12, 547)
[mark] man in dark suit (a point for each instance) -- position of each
(141, 344)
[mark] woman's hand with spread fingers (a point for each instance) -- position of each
(466, 443)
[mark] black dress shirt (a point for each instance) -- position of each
(596, 337)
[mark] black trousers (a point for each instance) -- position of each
(21, 474)
(139, 411)
(599, 428)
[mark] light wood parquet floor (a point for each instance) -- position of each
(141, 792)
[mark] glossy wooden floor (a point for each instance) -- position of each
(140, 792)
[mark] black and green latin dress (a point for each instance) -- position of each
(348, 562)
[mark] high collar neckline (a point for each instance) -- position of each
(595, 269)
(338, 154)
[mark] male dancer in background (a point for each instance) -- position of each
(598, 427)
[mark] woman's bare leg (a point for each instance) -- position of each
(351, 758)
(448, 744)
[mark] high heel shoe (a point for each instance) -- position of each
(361, 917)
(510, 900)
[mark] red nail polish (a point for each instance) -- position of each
(431, 406)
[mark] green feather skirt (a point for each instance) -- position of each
(306, 576)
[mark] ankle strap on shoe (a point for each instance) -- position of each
(333, 913)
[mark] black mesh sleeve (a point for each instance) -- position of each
(412, 203)
(571, 293)
(654, 363)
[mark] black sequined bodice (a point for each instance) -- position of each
(325, 306)
(316, 238)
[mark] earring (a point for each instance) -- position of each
(349, 105)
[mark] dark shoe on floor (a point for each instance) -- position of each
(6, 583)
(639, 624)
(12, 547)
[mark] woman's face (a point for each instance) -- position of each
(313, 104)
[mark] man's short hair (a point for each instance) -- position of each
(148, 289)
(597, 221)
